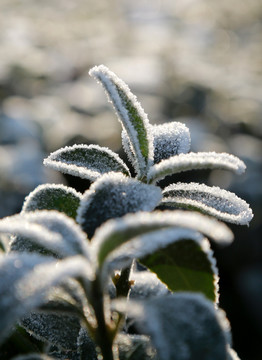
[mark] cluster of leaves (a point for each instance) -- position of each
(69, 273)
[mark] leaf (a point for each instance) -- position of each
(170, 139)
(194, 161)
(53, 197)
(25, 280)
(85, 346)
(57, 329)
(185, 265)
(49, 230)
(182, 326)
(115, 195)
(119, 231)
(86, 161)
(214, 201)
(33, 356)
(130, 114)
(135, 347)
(181, 258)
(146, 285)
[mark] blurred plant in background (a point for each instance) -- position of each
(199, 60)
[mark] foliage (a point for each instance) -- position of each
(69, 275)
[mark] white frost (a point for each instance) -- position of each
(214, 201)
(194, 161)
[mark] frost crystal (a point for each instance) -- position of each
(170, 139)
(86, 161)
(214, 201)
(193, 161)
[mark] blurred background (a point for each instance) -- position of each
(194, 61)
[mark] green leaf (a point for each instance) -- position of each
(112, 196)
(53, 197)
(194, 161)
(214, 201)
(86, 161)
(131, 115)
(116, 232)
(181, 326)
(185, 265)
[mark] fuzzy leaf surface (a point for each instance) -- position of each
(119, 231)
(112, 196)
(131, 115)
(214, 201)
(58, 329)
(49, 230)
(182, 326)
(86, 161)
(194, 161)
(25, 280)
(53, 197)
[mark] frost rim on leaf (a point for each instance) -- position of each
(237, 210)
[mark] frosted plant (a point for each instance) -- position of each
(68, 275)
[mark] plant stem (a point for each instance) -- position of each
(103, 337)
(123, 283)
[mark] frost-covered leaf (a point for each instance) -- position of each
(57, 329)
(181, 258)
(26, 279)
(86, 161)
(146, 285)
(49, 230)
(115, 195)
(131, 115)
(232, 355)
(135, 347)
(170, 139)
(85, 346)
(33, 356)
(53, 197)
(214, 201)
(119, 231)
(194, 161)
(182, 326)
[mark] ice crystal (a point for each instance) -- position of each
(170, 139)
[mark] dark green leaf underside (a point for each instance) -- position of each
(183, 266)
